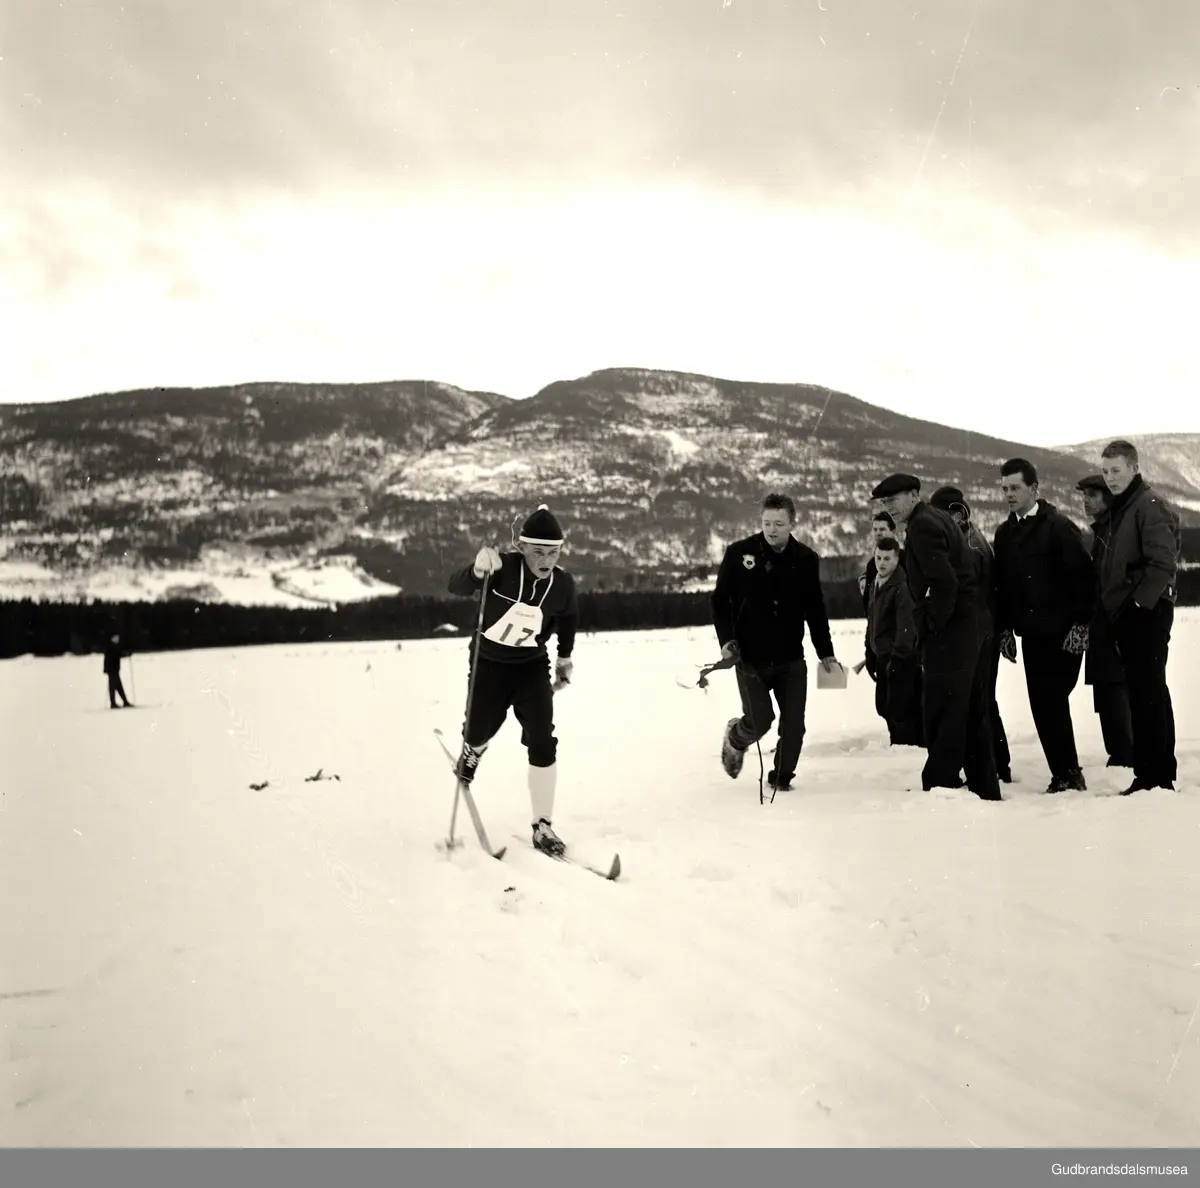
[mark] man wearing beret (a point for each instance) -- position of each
(950, 499)
(1102, 668)
(1046, 594)
(951, 622)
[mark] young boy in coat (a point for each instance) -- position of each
(891, 647)
(528, 598)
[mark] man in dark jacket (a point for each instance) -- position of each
(1045, 593)
(1102, 668)
(891, 648)
(1139, 563)
(950, 499)
(881, 527)
(950, 617)
(767, 588)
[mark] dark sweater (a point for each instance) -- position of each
(556, 594)
(763, 600)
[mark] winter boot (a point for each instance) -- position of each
(468, 761)
(546, 840)
(732, 757)
(1145, 786)
(779, 785)
(1074, 780)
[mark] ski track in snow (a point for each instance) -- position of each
(187, 961)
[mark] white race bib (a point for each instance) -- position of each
(518, 627)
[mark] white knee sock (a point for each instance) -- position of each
(541, 791)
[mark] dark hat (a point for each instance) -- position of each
(1093, 482)
(895, 484)
(947, 498)
(541, 528)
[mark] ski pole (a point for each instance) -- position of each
(470, 699)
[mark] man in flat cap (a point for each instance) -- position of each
(1046, 594)
(950, 615)
(1102, 667)
(951, 500)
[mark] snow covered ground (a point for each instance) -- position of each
(185, 960)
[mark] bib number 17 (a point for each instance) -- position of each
(517, 627)
(523, 635)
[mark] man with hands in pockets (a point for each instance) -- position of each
(528, 598)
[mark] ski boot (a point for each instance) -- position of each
(468, 761)
(546, 840)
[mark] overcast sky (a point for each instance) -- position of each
(981, 212)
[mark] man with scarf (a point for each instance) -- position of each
(1138, 560)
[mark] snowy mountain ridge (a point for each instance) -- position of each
(651, 472)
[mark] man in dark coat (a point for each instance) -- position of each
(112, 670)
(1102, 668)
(891, 648)
(1139, 563)
(950, 617)
(950, 499)
(881, 527)
(1046, 590)
(767, 588)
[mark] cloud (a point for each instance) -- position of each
(1067, 109)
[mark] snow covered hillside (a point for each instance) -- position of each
(188, 960)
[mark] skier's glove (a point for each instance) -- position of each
(1008, 646)
(1077, 640)
(564, 666)
(487, 560)
(730, 651)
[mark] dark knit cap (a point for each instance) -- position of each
(896, 484)
(947, 498)
(541, 528)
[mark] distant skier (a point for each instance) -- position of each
(529, 597)
(767, 587)
(112, 669)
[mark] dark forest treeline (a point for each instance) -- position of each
(60, 628)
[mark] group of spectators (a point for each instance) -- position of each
(944, 605)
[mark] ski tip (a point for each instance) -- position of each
(615, 870)
(499, 854)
